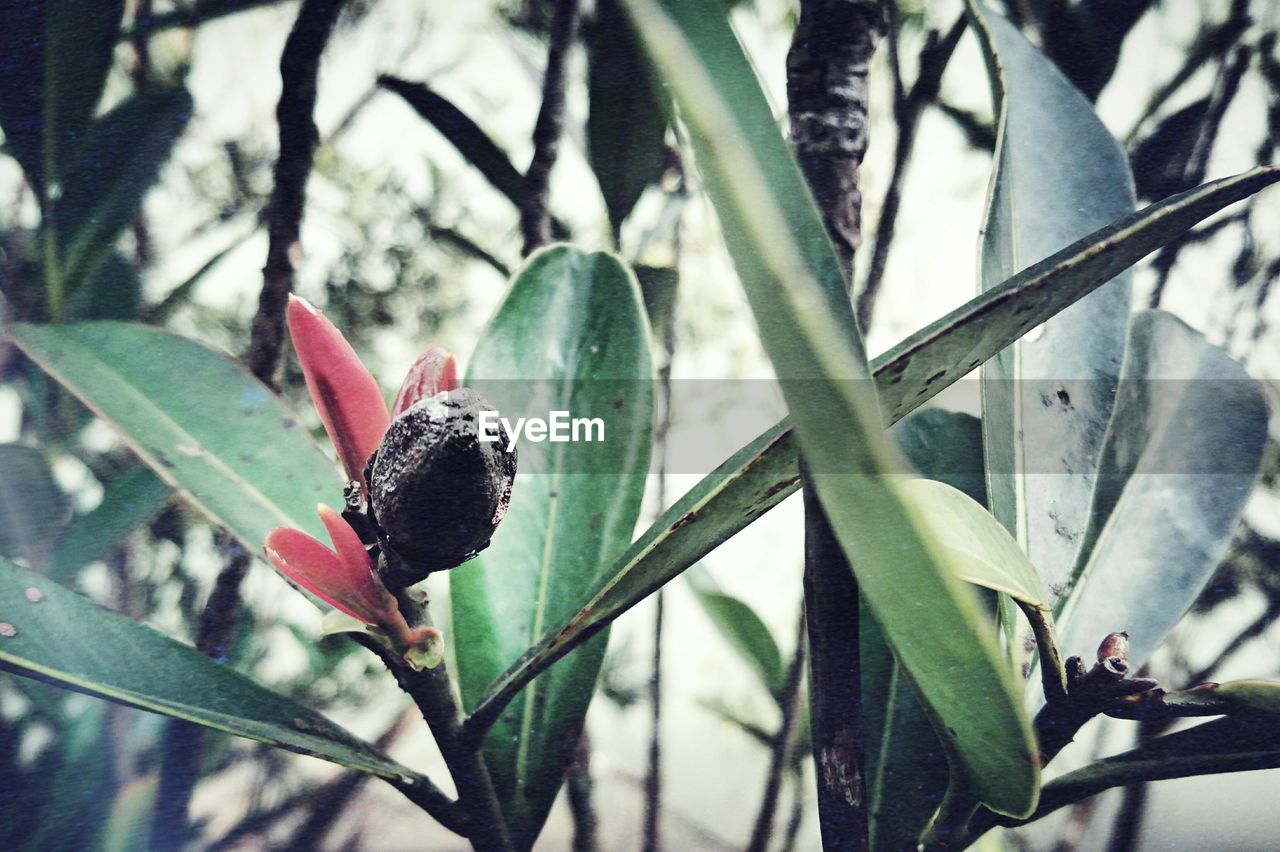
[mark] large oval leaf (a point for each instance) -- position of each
(796, 291)
(60, 637)
(1058, 175)
(197, 419)
(571, 336)
(1180, 460)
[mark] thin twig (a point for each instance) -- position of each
(535, 216)
(578, 791)
(827, 95)
(653, 777)
(797, 809)
(299, 70)
(1224, 91)
(783, 744)
(907, 109)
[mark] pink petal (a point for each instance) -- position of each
(435, 371)
(345, 393)
(361, 583)
(315, 568)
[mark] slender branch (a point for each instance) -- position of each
(578, 791)
(783, 744)
(653, 777)
(907, 109)
(797, 809)
(535, 217)
(827, 94)
(1224, 91)
(432, 691)
(299, 69)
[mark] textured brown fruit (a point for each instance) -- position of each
(436, 491)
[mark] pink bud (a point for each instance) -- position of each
(345, 393)
(345, 579)
(435, 371)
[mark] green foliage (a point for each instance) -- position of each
(197, 419)
(63, 638)
(796, 292)
(33, 509)
(571, 335)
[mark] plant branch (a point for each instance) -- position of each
(432, 691)
(827, 96)
(783, 744)
(578, 791)
(907, 109)
(299, 70)
(653, 777)
(535, 217)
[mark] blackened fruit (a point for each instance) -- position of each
(436, 491)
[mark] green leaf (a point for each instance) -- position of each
(63, 638)
(1178, 465)
(1059, 175)
(945, 446)
(1251, 696)
(131, 499)
(974, 544)
(54, 59)
(103, 190)
(738, 623)
(571, 335)
(725, 713)
(797, 293)
(763, 473)
(627, 121)
(33, 509)
(197, 419)
(1236, 744)
(75, 798)
(906, 765)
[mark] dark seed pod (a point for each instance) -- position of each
(436, 491)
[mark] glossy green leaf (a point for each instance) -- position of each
(33, 509)
(763, 473)
(906, 766)
(63, 638)
(975, 546)
(1178, 465)
(627, 122)
(54, 59)
(571, 335)
(738, 623)
(1059, 175)
(1251, 696)
(796, 291)
(197, 419)
(1236, 744)
(103, 189)
(131, 499)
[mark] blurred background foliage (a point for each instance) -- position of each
(138, 146)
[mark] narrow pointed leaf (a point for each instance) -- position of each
(742, 629)
(1236, 744)
(63, 638)
(1179, 462)
(196, 418)
(796, 291)
(627, 122)
(763, 473)
(570, 336)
